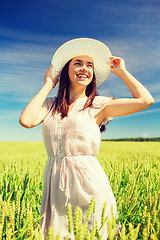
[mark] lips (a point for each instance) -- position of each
(82, 75)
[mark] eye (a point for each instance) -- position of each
(90, 66)
(77, 63)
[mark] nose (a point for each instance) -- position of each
(84, 68)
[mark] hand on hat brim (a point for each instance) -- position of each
(48, 78)
(117, 64)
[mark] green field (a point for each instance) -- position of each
(132, 168)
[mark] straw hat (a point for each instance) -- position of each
(99, 52)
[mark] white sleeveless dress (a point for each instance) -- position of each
(72, 172)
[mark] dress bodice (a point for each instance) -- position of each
(77, 133)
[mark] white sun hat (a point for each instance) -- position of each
(99, 52)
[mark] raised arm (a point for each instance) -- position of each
(34, 113)
(141, 97)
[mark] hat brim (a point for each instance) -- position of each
(99, 52)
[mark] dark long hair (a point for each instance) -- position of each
(61, 104)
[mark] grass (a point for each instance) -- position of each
(133, 171)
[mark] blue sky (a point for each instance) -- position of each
(30, 33)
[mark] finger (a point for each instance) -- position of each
(50, 69)
(46, 72)
(115, 61)
(111, 60)
(114, 58)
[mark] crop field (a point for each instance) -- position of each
(132, 168)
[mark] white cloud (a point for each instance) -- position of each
(139, 56)
(145, 135)
(31, 37)
(8, 115)
(24, 64)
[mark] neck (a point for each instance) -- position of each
(74, 94)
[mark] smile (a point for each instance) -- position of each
(82, 76)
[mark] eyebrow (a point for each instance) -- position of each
(78, 60)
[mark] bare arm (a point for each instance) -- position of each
(119, 107)
(34, 113)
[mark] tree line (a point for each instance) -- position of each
(138, 139)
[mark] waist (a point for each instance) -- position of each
(70, 156)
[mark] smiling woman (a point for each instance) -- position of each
(71, 130)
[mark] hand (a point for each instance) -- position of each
(117, 65)
(48, 79)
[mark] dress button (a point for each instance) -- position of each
(59, 139)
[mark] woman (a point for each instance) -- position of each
(71, 124)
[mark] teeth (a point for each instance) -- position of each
(82, 76)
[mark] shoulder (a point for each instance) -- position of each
(101, 101)
(49, 102)
(98, 109)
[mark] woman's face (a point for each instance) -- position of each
(80, 71)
